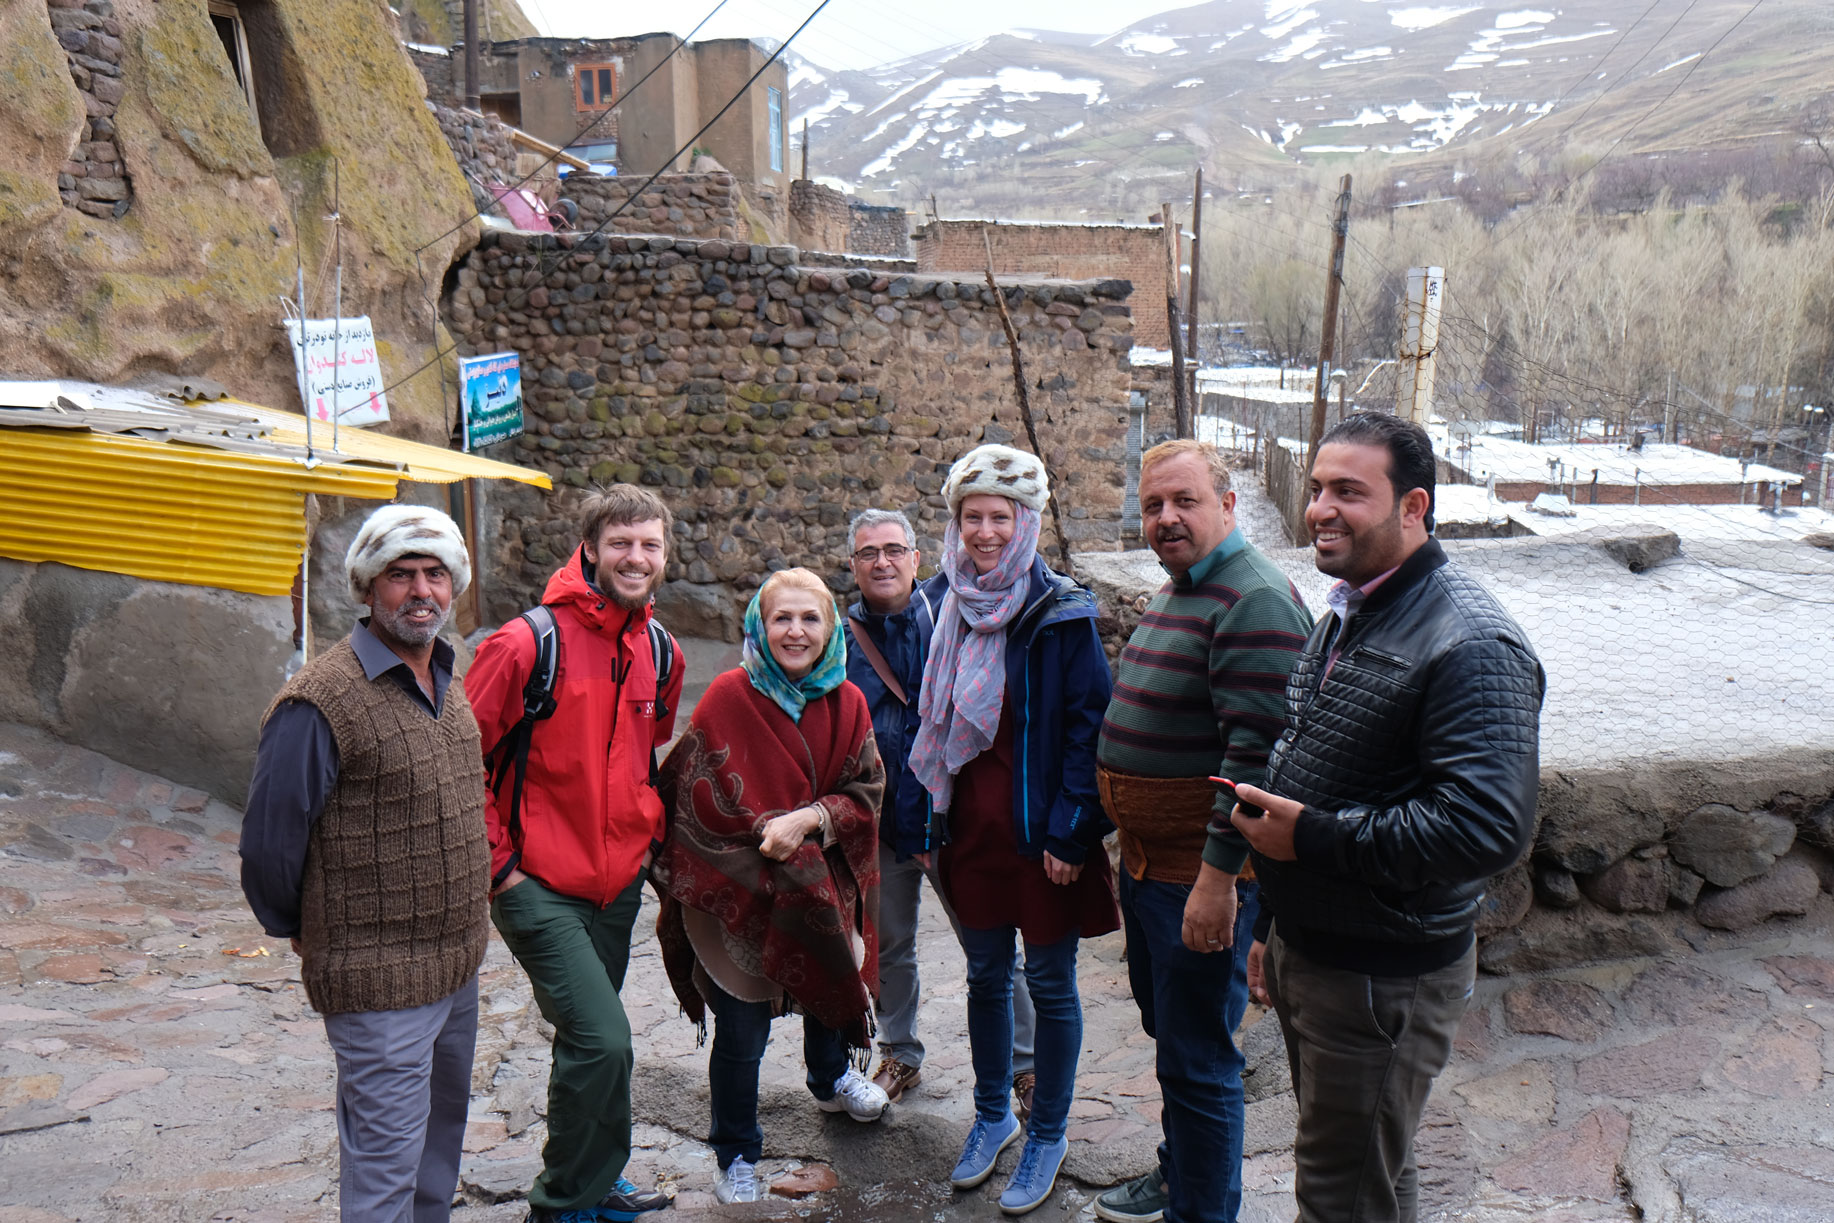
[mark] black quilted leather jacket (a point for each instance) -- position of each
(1417, 761)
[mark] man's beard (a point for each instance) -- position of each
(608, 587)
(397, 625)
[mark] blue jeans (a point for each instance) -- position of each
(1050, 974)
(1190, 1005)
(900, 889)
(740, 1032)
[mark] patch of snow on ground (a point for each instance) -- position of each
(1164, 136)
(1188, 82)
(1000, 129)
(1300, 44)
(1061, 132)
(1147, 44)
(1525, 17)
(1043, 80)
(1333, 148)
(1285, 19)
(1683, 60)
(883, 161)
(1366, 55)
(1288, 131)
(838, 184)
(1558, 38)
(1425, 17)
(806, 74)
(1471, 59)
(836, 100)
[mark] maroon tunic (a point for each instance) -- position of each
(990, 884)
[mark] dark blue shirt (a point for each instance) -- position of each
(296, 768)
(904, 639)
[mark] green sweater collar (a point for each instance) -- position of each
(1207, 568)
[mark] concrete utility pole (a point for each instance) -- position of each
(1419, 338)
(472, 101)
(1327, 339)
(1197, 239)
(1181, 406)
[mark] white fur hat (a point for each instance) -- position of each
(395, 531)
(1001, 471)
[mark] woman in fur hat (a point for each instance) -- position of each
(1013, 698)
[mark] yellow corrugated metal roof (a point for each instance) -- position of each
(215, 507)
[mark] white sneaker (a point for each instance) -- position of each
(863, 1099)
(738, 1183)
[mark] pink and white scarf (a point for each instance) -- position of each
(964, 681)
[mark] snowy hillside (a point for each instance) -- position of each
(1252, 86)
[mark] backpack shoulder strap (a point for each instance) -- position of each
(662, 654)
(537, 703)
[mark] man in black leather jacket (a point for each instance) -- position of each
(1405, 778)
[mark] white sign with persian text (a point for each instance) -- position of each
(342, 372)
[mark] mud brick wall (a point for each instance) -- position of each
(1127, 252)
(819, 217)
(94, 180)
(768, 402)
(683, 205)
(441, 74)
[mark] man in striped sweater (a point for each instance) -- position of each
(1201, 690)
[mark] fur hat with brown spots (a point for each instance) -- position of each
(1001, 471)
(395, 531)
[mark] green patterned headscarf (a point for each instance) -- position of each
(766, 675)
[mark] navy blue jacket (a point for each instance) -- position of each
(906, 821)
(1058, 683)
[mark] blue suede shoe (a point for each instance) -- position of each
(1035, 1176)
(982, 1150)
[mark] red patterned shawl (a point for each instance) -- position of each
(741, 762)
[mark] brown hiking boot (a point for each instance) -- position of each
(1025, 1085)
(893, 1076)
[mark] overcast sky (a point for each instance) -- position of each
(850, 33)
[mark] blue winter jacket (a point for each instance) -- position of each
(906, 820)
(1058, 683)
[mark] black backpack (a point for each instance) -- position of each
(538, 704)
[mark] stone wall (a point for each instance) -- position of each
(1129, 252)
(94, 180)
(769, 401)
(443, 74)
(98, 659)
(878, 229)
(823, 219)
(482, 146)
(682, 205)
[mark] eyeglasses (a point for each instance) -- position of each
(870, 556)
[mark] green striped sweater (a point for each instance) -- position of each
(1201, 686)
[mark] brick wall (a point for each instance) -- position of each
(682, 205)
(769, 401)
(1079, 252)
(1581, 493)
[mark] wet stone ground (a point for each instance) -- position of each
(158, 1061)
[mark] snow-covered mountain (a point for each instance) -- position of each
(1255, 86)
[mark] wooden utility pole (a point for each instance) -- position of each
(1327, 340)
(1197, 240)
(472, 101)
(1181, 406)
(805, 150)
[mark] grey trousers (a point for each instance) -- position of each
(900, 891)
(1364, 1052)
(404, 1088)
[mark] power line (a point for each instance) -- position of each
(598, 119)
(585, 239)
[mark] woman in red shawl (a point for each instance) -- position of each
(769, 869)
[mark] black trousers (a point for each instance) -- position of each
(1364, 1052)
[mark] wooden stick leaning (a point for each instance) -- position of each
(1025, 406)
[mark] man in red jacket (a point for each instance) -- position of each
(570, 837)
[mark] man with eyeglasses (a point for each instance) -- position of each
(888, 643)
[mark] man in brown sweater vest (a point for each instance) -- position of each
(364, 843)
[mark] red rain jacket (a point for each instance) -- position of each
(589, 813)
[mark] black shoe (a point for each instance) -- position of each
(1141, 1200)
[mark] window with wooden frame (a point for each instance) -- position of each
(227, 20)
(595, 86)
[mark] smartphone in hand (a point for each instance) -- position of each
(1248, 808)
